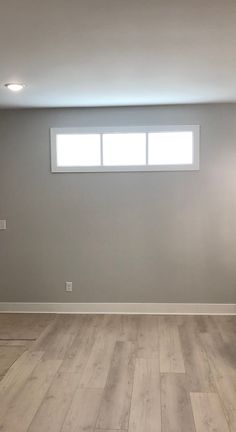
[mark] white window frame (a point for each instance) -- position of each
(195, 129)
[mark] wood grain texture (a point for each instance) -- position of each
(57, 401)
(55, 404)
(23, 407)
(223, 367)
(198, 370)
(208, 413)
(16, 342)
(97, 368)
(226, 386)
(56, 339)
(221, 355)
(148, 337)
(128, 328)
(109, 430)
(106, 373)
(23, 326)
(15, 378)
(76, 357)
(171, 356)
(83, 411)
(8, 355)
(176, 407)
(115, 406)
(145, 411)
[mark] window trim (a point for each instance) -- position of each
(195, 129)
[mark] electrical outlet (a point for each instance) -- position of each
(3, 224)
(68, 286)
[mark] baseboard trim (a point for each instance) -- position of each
(121, 308)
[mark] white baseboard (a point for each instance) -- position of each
(122, 308)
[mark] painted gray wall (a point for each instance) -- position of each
(125, 237)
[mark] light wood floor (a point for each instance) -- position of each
(127, 373)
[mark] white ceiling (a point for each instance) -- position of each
(117, 52)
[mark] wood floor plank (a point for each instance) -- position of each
(197, 366)
(171, 356)
(83, 411)
(115, 406)
(110, 327)
(227, 329)
(24, 405)
(97, 368)
(226, 326)
(200, 323)
(128, 328)
(56, 403)
(15, 378)
(58, 336)
(94, 372)
(223, 368)
(8, 355)
(177, 413)
(145, 411)
(23, 326)
(147, 336)
(208, 413)
(78, 353)
(219, 354)
(226, 386)
(204, 324)
(16, 343)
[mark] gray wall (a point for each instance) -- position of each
(125, 237)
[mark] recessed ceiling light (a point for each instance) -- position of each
(14, 87)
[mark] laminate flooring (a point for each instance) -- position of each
(127, 373)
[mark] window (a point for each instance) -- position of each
(160, 148)
(170, 148)
(124, 149)
(78, 150)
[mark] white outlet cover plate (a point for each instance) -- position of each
(68, 286)
(3, 224)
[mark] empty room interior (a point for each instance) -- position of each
(118, 216)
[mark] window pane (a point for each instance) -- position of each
(124, 149)
(78, 150)
(170, 148)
